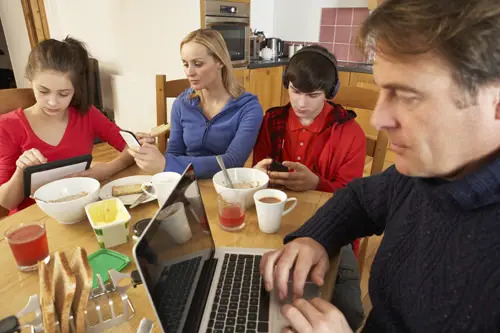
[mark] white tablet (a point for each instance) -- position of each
(38, 175)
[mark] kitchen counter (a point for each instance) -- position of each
(342, 65)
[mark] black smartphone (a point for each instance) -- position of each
(278, 166)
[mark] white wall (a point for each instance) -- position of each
(133, 41)
(16, 34)
(262, 16)
(299, 20)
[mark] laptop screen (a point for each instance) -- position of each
(175, 256)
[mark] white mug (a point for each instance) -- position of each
(163, 184)
(269, 214)
(174, 221)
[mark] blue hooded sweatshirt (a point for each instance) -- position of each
(195, 139)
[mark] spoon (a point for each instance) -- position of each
(224, 171)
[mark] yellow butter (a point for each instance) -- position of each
(105, 212)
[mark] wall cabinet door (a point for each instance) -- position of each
(266, 84)
(242, 76)
(363, 80)
(344, 78)
(372, 4)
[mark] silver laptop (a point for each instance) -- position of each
(194, 286)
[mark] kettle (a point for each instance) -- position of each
(276, 45)
(266, 53)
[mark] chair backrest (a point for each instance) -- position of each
(376, 147)
(362, 98)
(12, 99)
(166, 89)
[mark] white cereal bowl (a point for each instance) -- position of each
(241, 175)
(72, 211)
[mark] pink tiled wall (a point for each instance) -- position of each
(338, 31)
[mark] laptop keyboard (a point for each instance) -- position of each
(175, 284)
(241, 303)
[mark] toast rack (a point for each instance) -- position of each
(104, 320)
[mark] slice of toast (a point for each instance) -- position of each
(158, 130)
(120, 190)
(64, 289)
(83, 274)
(46, 298)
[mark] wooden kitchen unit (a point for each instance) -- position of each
(267, 83)
(372, 4)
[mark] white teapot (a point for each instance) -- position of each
(266, 53)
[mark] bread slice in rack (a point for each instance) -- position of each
(64, 290)
(46, 298)
(83, 274)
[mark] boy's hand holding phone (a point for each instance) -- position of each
(299, 179)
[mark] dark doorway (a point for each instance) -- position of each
(6, 74)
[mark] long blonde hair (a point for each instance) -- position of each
(216, 46)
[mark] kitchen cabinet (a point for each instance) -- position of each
(372, 4)
(344, 78)
(363, 80)
(267, 85)
(241, 75)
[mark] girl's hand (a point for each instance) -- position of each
(29, 158)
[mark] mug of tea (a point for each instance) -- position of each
(161, 184)
(174, 221)
(270, 205)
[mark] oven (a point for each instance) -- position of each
(232, 20)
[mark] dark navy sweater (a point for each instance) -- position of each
(438, 266)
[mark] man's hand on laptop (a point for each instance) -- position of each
(315, 316)
(305, 255)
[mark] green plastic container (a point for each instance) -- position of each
(103, 260)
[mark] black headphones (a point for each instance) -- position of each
(336, 85)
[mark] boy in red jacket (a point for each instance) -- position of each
(316, 138)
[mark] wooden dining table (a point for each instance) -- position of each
(17, 286)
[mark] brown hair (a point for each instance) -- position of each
(465, 33)
(313, 68)
(68, 56)
(216, 46)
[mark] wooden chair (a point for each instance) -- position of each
(13, 99)
(16, 98)
(166, 89)
(376, 147)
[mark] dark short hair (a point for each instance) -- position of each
(311, 71)
(67, 56)
(466, 33)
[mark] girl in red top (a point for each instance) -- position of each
(62, 124)
(317, 139)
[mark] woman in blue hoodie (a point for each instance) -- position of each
(215, 116)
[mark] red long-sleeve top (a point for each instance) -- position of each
(17, 136)
(333, 146)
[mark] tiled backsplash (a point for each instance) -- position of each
(338, 32)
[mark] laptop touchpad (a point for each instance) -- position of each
(311, 291)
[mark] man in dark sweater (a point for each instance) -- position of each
(437, 269)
